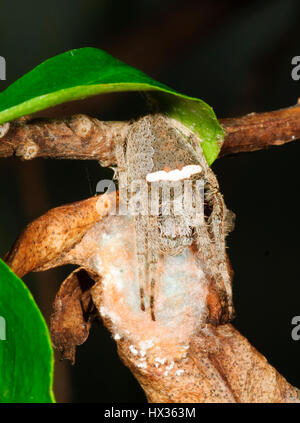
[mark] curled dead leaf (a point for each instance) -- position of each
(73, 312)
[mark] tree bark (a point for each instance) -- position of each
(78, 137)
(258, 131)
(84, 138)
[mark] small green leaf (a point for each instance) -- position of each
(26, 356)
(85, 72)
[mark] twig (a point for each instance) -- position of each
(84, 138)
(258, 131)
(77, 137)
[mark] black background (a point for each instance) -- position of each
(237, 57)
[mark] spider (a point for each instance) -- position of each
(161, 165)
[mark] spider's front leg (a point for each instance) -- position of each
(153, 257)
(219, 225)
(211, 232)
(141, 255)
(146, 230)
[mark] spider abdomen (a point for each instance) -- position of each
(175, 234)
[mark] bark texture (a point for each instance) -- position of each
(85, 138)
(258, 131)
(77, 137)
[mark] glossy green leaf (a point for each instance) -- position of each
(85, 72)
(26, 356)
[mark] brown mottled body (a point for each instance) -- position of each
(156, 143)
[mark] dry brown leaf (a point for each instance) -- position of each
(73, 312)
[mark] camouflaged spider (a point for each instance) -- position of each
(158, 158)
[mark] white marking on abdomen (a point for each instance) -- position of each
(174, 175)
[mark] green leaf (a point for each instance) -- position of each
(85, 72)
(26, 356)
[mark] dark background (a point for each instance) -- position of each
(237, 57)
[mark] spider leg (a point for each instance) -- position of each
(153, 255)
(205, 251)
(141, 252)
(218, 222)
(210, 253)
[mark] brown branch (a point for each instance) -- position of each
(258, 131)
(85, 138)
(77, 137)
